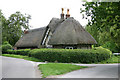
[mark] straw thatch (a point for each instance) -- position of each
(70, 32)
(63, 32)
(54, 23)
(32, 39)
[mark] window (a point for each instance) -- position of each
(68, 47)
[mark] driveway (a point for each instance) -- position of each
(96, 71)
(19, 68)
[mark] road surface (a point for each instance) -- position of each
(97, 71)
(19, 68)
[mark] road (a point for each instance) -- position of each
(19, 68)
(0, 67)
(97, 71)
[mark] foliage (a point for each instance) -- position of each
(111, 46)
(5, 47)
(104, 18)
(57, 68)
(1, 18)
(94, 32)
(69, 56)
(12, 28)
(19, 52)
(5, 42)
(22, 57)
(113, 59)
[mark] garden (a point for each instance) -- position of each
(57, 58)
(94, 55)
(101, 25)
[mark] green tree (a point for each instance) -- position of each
(2, 23)
(0, 29)
(12, 29)
(104, 21)
(94, 32)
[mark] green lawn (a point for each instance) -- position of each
(22, 57)
(57, 68)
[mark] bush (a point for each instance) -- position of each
(5, 42)
(111, 46)
(19, 52)
(69, 56)
(5, 47)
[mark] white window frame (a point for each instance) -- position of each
(68, 47)
(45, 36)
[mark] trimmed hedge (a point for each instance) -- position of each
(19, 52)
(75, 55)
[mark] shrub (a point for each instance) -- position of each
(5, 47)
(111, 46)
(19, 52)
(69, 56)
(5, 42)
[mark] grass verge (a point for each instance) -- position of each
(57, 68)
(22, 57)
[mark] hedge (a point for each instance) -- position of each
(19, 52)
(5, 47)
(71, 56)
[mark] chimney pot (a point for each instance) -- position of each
(62, 10)
(62, 14)
(67, 15)
(67, 11)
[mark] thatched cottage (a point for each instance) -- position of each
(64, 33)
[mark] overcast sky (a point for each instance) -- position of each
(42, 11)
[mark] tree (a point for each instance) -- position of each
(13, 28)
(2, 23)
(94, 32)
(104, 20)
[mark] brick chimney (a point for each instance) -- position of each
(62, 14)
(67, 15)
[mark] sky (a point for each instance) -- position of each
(42, 11)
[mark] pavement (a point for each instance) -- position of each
(19, 68)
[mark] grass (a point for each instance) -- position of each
(57, 68)
(22, 57)
(113, 59)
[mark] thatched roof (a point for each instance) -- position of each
(64, 32)
(71, 32)
(32, 39)
(54, 23)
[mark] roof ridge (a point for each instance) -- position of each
(36, 29)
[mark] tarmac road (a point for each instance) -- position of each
(97, 71)
(19, 68)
